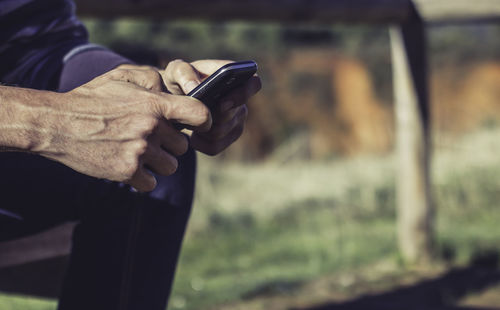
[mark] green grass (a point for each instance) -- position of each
(269, 228)
(231, 260)
(13, 302)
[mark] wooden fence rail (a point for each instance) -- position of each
(326, 11)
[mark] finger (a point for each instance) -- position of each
(180, 77)
(220, 130)
(208, 66)
(253, 86)
(224, 117)
(143, 180)
(185, 110)
(159, 161)
(170, 139)
(215, 147)
(148, 79)
(240, 95)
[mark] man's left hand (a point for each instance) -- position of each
(230, 113)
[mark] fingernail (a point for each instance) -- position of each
(190, 86)
(226, 105)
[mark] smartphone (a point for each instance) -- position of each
(223, 81)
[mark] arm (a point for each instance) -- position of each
(17, 116)
(116, 127)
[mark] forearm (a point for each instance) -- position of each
(23, 126)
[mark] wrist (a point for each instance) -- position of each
(23, 125)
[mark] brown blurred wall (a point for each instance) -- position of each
(350, 118)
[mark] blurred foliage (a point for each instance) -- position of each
(192, 40)
(239, 40)
(462, 44)
(198, 39)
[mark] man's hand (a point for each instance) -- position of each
(120, 125)
(229, 114)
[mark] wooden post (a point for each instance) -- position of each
(415, 212)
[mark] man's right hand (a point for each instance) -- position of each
(118, 126)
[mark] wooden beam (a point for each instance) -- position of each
(321, 11)
(415, 213)
(297, 11)
(44, 245)
(447, 11)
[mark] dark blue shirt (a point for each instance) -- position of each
(44, 46)
(35, 35)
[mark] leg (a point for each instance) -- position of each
(126, 259)
(126, 245)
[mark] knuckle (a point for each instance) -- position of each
(200, 114)
(204, 114)
(151, 125)
(173, 64)
(153, 77)
(146, 126)
(180, 70)
(113, 74)
(139, 148)
(121, 74)
(153, 74)
(128, 167)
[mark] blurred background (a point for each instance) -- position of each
(301, 210)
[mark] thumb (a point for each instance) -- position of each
(180, 77)
(185, 110)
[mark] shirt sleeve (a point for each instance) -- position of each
(85, 62)
(44, 46)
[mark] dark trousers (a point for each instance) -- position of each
(126, 244)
